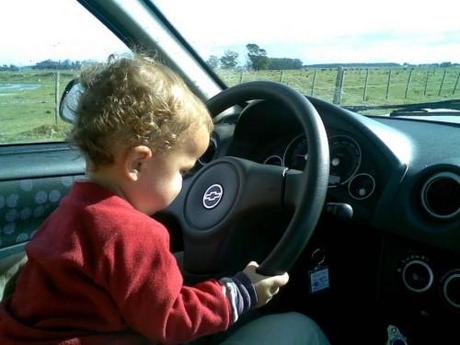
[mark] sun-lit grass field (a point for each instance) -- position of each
(28, 98)
(27, 106)
(424, 84)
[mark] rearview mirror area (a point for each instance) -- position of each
(69, 101)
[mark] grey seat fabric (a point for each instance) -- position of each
(9, 271)
(286, 328)
(290, 328)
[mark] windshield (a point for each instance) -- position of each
(353, 53)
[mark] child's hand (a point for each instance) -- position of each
(266, 286)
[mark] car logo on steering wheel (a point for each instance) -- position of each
(212, 196)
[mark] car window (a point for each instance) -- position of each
(348, 53)
(44, 45)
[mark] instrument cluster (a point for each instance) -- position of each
(345, 157)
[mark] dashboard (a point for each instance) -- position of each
(399, 175)
(401, 178)
(268, 134)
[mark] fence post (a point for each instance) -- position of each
(456, 84)
(56, 97)
(388, 84)
(426, 81)
(338, 86)
(241, 77)
(281, 76)
(313, 83)
(365, 85)
(408, 82)
(442, 82)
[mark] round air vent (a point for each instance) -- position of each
(441, 195)
(208, 156)
(451, 289)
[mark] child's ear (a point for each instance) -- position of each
(135, 160)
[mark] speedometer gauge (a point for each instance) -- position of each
(345, 159)
(296, 153)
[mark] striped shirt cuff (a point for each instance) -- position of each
(240, 293)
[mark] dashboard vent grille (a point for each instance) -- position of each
(441, 195)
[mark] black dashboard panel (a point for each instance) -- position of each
(381, 163)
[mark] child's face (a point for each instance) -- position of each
(160, 179)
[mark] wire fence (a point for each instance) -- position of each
(351, 86)
(29, 100)
(29, 105)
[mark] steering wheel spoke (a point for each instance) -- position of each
(293, 187)
(262, 186)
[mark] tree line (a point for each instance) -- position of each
(9, 68)
(46, 64)
(257, 60)
(53, 64)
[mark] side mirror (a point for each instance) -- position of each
(69, 101)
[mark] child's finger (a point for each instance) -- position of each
(252, 264)
(282, 279)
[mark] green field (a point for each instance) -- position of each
(424, 85)
(27, 106)
(27, 98)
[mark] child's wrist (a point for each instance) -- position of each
(241, 294)
(245, 285)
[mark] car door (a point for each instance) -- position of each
(43, 50)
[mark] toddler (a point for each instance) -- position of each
(99, 269)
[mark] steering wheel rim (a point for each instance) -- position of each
(314, 177)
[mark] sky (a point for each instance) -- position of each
(326, 31)
(67, 31)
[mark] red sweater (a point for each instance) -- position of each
(100, 272)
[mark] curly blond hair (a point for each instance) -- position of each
(132, 101)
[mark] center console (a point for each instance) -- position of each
(419, 291)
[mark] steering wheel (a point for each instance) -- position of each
(227, 187)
